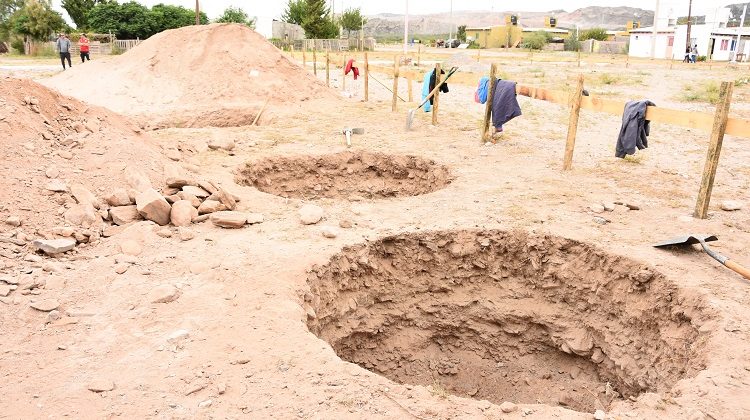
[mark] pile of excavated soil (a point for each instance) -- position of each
(196, 76)
(345, 175)
(55, 147)
(508, 317)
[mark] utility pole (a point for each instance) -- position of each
(655, 33)
(739, 34)
(197, 13)
(689, 26)
(406, 29)
(450, 34)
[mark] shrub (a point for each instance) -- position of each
(572, 44)
(598, 34)
(537, 40)
(708, 92)
(17, 44)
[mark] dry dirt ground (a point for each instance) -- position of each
(499, 286)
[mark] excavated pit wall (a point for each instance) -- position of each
(507, 316)
(345, 175)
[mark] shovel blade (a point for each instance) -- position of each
(687, 240)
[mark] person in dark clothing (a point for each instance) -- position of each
(635, 128)
(433, 82)
(63, 47)
(504, 104)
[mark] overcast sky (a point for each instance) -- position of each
(274, 8)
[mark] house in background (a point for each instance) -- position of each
(640, 42)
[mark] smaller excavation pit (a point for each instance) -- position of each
(347, 175)
(507, 316)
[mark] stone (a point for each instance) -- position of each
(52, 172)
(329, 232)
(508, 407)
(221, 388)
(223, 144)
(597, 208)
(164, 232)
(45, 305)
(579, 341)
(82, 215)
(609, 206)
(208, 187)
(185, 234)
(345, 224)
(84, 196)
(13, 221)
(731, 205)
(183, 213)
(101, 385)
(121, 268)
(65, 154)
(53, 316)
(597, 356)
(196, 191)
(152, 206)
(600, 220)
(54, 246)
(119, 197)
(173, 154)
(176, 177)
(163, 294)
(226, 199)
(124, 215)
(255, 218)
(57, 185)
(177, 336)
(599, 415)
(137, 180)
(5, 289)
(54, 283)
(195, 201)
(131, 247)
(205, 404)
(310, 214)
(210, 206)
(229, 219)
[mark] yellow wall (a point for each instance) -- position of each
(496, 36)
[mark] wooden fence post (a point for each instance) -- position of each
(395, 84)
(436, 97)
(367, 78)
(292, 51)
(419, 55)
(479, 54)
(575, 112)
(343, 73)
(488, 104)
(304, 59)
(328, 69)
(315, 63)
(411, 88)
(579, 57)
(714, 150)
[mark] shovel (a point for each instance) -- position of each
(348, 133)
(410, 116)
(702, 239)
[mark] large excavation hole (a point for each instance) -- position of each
(345, 175)
(507, 316)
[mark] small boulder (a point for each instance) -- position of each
(119, 197)
(226, 199)
(183, 213)
(57, 185)
(599, 415)
(229, 219)
(13, 221)
(195, 201)
(597, 208)
(45, 305)
(211, 188)
(196, 191)
(731, 205)
(152, 206)
(310, 214)
(82, 215)
(223, 144)
(508, 407)
(137, 180)
(185, 234)
(131, 247)
(176, 177)
(210, 206)
(609, 206)
(55, 246)
(84, 196)
(255, 218)
(329, 232)
(101, 385)
(124, 215)
(163, 294)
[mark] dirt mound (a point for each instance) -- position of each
(51, 145)
(346, 175)
(196, 76)
(507, 317)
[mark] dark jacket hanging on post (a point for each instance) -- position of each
(504, 104)
(635, 128)
(433, 82)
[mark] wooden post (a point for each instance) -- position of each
(367, 78)
(419, 55)
(328, 69)
(579, 57)
(575, 112)
(291, 49)
(714, 150)
(395, 84)
(343, 73)
(488, 104)
(436, 97)
(411, 88)
(479, 54)
(315, 62)
(304, 59)
(627, 61)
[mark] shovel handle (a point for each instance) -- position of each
(744, 272)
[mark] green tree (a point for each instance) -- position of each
(295, 12)
(537, 40)
(236, 15)
(164, 16)
(7, 9)
(352, 20)
(597, 34)
(461, 33)
(78, 10)
(37, 20)
(133, 20)
(318, 23)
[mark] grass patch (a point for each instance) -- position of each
(706, 92)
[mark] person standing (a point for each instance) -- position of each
(694, 53)
(63, 47)
(83, 46)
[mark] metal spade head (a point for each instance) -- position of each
(687, 240)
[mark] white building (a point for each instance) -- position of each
(640, 42)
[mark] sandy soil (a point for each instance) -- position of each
(241, 338)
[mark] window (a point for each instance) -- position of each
(734, 44)
(724, 44)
